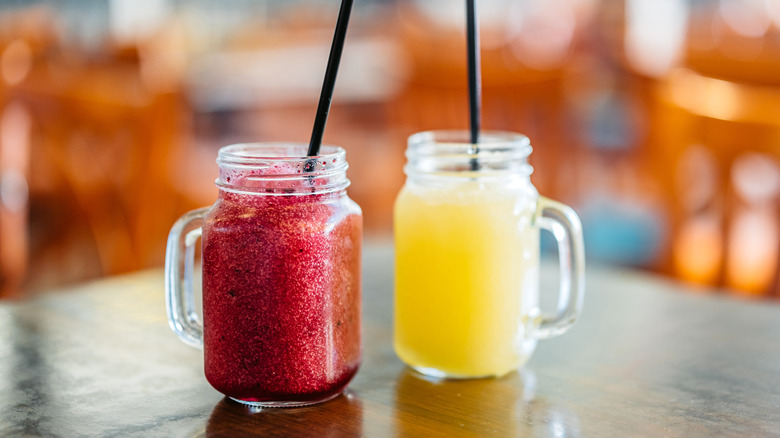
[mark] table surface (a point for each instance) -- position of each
(649, 357)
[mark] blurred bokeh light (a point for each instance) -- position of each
(658, 120)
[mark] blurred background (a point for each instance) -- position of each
(658, 120)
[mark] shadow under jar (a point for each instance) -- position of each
(281, 276)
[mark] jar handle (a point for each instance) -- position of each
(564, 224)
(179, 266)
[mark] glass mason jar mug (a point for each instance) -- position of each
(467, 227)
(281, 276)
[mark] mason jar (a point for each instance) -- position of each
(281, 256)
(466, 226)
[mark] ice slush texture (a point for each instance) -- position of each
(281, 295)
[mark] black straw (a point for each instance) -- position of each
(323, 108)
(475, 82)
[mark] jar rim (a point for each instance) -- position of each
(251, 153)
(453, 140)
(451, 153)
(283, 169)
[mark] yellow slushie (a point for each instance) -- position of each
(466, 277)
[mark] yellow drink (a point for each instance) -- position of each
(466, 276)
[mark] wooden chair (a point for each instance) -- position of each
(103, 135)
(729, 122)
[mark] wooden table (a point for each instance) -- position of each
(647, 358)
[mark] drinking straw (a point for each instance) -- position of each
(475, 82)
(323, 108)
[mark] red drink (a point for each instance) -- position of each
(281, 277)
(281, 297)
